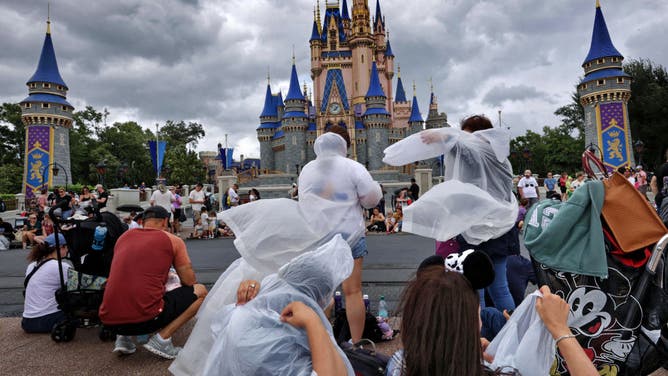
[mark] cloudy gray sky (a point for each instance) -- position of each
(206, 60)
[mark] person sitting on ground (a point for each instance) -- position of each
(393, 222)
(377, 221)
(224, 230)
(253, 195)
(135, 302)
(64, 202)
(198, 230)
(130, 221)
(279, 327)
(204, 223)
(31, 229)
(6, 234)
(440, 329)
(40, 309)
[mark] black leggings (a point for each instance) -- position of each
(42, 324)
(379, 226)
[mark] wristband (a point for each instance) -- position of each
(567, 336)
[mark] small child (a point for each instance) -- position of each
(204, 218)
(521, 213)
(198, 230)
(212, 224)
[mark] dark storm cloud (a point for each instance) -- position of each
(501, 93)
(206, 60)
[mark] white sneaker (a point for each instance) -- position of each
(124, 346)
(164, 349)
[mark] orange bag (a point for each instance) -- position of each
(633, 221)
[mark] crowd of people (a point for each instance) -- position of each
(268, 313)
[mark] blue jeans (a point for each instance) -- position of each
(498, 290)
(359, 249)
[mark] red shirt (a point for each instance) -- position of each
(136, 284)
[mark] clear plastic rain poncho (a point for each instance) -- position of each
(269, 233)
(475, 199)
(252, 340)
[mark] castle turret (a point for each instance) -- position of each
(376, 121)
(345, 17)
(294, 125)
(361, 45)
(269, 122)
(402, 107)
(604, 93)
(415, 122)
(47, 116)
(434, 118)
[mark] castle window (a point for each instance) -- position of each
(46, 85)
(620, 80)
(27, 105)
(600, 61)
(584, 86)
(615, 59)
(356, 89)
(362, 59)
(600, 82)
(45, 105)
(33, 85)
(294, 140)
(64, 108)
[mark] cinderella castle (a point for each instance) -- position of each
(352, 67)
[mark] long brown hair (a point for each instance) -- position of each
(39, 252)
(440, 327)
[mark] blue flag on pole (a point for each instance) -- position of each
(157, 154)
(229, 160)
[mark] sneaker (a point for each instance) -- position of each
(164, 349)
(124, 346)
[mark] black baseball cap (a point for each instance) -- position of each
(156, 212)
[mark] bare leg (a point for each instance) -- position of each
(355, 311)
(188, 314)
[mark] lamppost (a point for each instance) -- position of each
(55, 170)
(639, 148)
(101, 168)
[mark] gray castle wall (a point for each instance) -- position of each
(61, 155)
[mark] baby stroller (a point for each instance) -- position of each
(619, 316)
(80, 296)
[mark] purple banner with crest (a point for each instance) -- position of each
(38, 157)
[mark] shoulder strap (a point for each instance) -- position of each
(32, 272)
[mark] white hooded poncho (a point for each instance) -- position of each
(252, 340)
(475, 199)
(269, 233)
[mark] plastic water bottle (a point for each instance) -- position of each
(366, 302)
(382, 308)
(98, 238)
(338, 303)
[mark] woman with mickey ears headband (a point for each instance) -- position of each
(440, 326)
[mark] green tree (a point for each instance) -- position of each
(83, 139)
(184, 163)
(12, 134)
(648, 112)
(123, 143)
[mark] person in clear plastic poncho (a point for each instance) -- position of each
(474, 201)
(255, 339)
(269, 233)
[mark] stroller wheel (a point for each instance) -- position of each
(63, 332)
(106, 335)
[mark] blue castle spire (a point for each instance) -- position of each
(269, 104)
(415, 112)
(401, 93)
(344, 10)
(47, 69)
(388, 49)
(379, 15)
(601, 44)
(294, 93)
(375, 90)
(315, 35)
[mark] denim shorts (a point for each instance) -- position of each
(359, 249)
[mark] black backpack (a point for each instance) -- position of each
(341, 330)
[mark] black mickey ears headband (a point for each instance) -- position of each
(476, 267)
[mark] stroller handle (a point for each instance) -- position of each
(654, 259)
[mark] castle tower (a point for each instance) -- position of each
(267, 129)
(361, 44)
(435, 119)
(376, 121)
(47, 116)
(294, 125)
(402, 107)
(604, 93)
(415, 122)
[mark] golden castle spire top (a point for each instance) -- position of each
(48, 17)
(598, 4)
